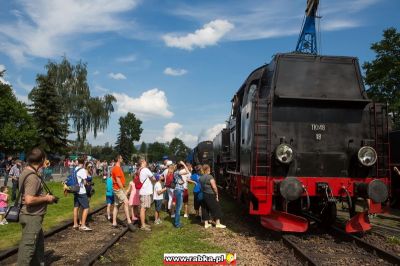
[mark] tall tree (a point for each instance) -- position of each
(143, 148)
(383, 73)
(52, 125)
(129, 131)
(17, 128)
(87, 113)
(178, 150)
(156, 151)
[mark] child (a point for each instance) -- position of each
(134, 200)
(109, 196)
(158, 197)
(3, 204)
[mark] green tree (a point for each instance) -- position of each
(178, 150)
(129, 131)
(17, 128)
(52, 125)
(143, 148)
(383, 73)
(86, 113)
(155, 151)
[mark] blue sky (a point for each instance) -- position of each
(175, 64)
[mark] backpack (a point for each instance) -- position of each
(72, 183)
(136, 180)
(177, 180)
(168, 179)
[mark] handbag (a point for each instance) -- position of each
(12, 214)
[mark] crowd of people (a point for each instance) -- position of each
(165, 186)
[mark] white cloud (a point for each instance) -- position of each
(117, 76)
(174, 72)
(174, 130)
(25, 86)
(99, 88)
(210, 34)
(260, 19)
(127, 58)
(152, 103)
(339, 24)
(45, 28)
(2, 67)
(209, 134)
(96, 72)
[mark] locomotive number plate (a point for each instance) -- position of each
(318, 127)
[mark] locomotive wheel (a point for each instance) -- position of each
(328, 214)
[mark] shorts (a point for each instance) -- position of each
(110, 199)
(3, 210)
(81, 200)
(185, 196)
(145, 201)
(158, 204)
(119, 197)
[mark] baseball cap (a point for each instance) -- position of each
(169, 163)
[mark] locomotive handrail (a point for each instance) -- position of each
(323, 99)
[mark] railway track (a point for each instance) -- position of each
(335, 247)
(65, 246)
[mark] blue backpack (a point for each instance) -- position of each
(72, 182)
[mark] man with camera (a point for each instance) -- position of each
(34, 205)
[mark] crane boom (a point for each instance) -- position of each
(307, 42)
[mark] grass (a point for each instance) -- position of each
(56, 213)
(394, 240)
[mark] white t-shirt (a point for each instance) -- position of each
(145, 178)
(81, 175)
(165, 173)
(185, 178)
(157, 187)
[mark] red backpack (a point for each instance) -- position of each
(136, 180)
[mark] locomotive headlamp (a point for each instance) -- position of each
(367, 156)
(284, 153)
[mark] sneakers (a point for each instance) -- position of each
(186, 216)
(145, 228)
(220, 226)
(179, 226)
(172, 215)
(85, 228)
(207, 226)
(158, 221)
(75, 227)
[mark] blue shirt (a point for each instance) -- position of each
(195, 177)
(109, 186)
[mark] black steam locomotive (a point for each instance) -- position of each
(201, 154)
(302, 135)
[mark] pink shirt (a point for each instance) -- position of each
(3, 200)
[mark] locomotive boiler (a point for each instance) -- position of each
(302, 135)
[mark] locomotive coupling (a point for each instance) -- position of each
(291, 188)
